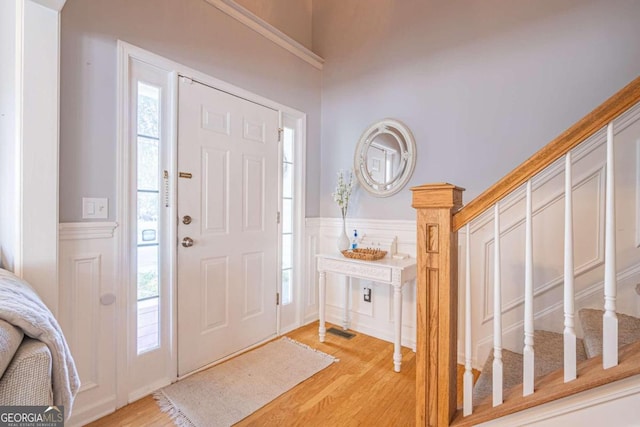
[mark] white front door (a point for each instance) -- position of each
(228, 186)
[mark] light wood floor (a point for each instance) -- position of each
(360, 390)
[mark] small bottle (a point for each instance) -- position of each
(354, 241)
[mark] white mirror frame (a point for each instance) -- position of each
(408, 157)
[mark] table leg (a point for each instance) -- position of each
(345, 316)
(322, 330)
(397, 313)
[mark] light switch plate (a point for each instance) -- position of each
(95, 208)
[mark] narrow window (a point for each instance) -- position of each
(287, 215)
(148, 216)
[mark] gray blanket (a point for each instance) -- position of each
(22, 307)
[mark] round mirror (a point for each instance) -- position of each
(385, 157)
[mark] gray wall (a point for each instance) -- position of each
(7, 133)
(482, 84)
(190, 32)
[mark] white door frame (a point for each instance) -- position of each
(127, 389)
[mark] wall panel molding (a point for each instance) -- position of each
(86, 230)
(597, 177)
(86, 270)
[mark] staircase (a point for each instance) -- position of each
(549, 355)
(552, 366)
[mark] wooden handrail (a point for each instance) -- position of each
(583, 129)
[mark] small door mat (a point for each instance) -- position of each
(341, 333)
(226, 393)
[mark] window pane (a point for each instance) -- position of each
(287, 180)
(288, 145)
(286, 287)
(287, 217)
(148, 204)
(286, 251)
(148, 110)
(148, 170)
(148, 325)
(148, 217)
(147, 271)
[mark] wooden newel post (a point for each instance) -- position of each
(437, 305)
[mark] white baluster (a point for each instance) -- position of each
(610, 319)
(569, 331)
(528, 366)
(468, 374)
(497, 313)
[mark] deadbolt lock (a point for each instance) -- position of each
(186, 220)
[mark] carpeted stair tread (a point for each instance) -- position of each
(591, 320)
(548, 347)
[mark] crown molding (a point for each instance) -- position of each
(267, 30)
(56, 5)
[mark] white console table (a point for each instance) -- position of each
(391, 271)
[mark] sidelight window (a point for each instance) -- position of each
(148, 216)
(287, 214)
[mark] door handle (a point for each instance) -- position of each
(187, 242)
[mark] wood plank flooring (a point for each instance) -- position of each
(360, 390)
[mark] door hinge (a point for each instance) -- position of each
(280, 130)
(278, 217)
(278, 298)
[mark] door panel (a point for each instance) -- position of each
(254, 194)
(215, 193)
(254, 282)
(215, 298)
(227, 279)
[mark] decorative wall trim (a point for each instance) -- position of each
(84, 293)
(87, 255)
(86, 230)
(268, 31)
(310, 286)
(588, 265)
(584, 294)
(366, 224)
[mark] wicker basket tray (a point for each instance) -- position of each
(365, 254)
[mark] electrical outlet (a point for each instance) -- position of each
(367, 294)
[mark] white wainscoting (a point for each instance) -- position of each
(87, 273)
(548, 240)
(373, 318)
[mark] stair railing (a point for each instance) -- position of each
(440, 216)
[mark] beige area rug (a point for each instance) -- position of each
(227, 393)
